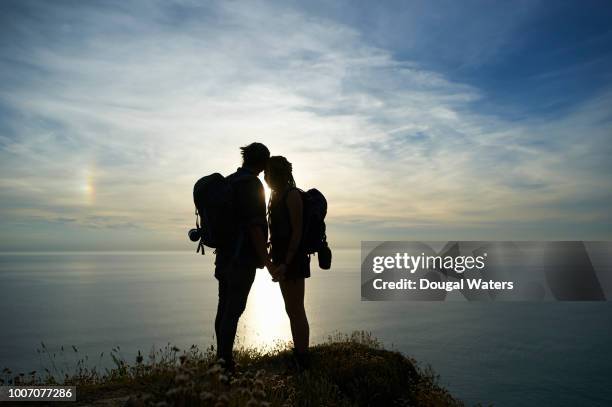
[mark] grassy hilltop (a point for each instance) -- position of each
(346, 371)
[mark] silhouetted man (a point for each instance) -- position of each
(236, 263)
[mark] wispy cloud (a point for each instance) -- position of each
(112, 112)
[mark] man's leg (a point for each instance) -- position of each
(223, 288)
(240, 281)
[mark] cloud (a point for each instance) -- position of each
(112, 112)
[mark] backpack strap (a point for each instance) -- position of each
(286, 193)
(283, 198)
(241, 178)
(201, 242)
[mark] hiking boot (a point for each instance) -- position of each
(228, 367)
(301, 360)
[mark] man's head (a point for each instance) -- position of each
(255, 156)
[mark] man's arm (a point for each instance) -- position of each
(255, 211)
(259, 242)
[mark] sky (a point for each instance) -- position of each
(418, 120)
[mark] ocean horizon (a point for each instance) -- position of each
(508, 354)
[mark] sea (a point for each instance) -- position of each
(85, 304)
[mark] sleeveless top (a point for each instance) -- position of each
(280, 234)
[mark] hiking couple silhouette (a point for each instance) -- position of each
(233, 214)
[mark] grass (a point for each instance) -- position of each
(347, 370)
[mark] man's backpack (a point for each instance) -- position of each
(314, 239)
(213, 196)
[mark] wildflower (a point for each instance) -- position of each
(207, 397)
(259, 394)
(214, 370)
(181, 378)
(172, 392)
(222, 401)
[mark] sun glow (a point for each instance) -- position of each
(267, 191)
(265, 322)
(88, 187)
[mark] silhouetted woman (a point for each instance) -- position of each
(285, 211)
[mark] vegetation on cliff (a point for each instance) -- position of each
(347, 370)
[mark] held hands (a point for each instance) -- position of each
(277, 272)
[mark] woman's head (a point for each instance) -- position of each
(279, 174)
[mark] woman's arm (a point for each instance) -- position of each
(296, 207)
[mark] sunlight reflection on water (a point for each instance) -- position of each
(264, 322)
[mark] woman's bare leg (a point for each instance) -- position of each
(293, 294)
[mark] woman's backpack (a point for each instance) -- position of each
(314, 238)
